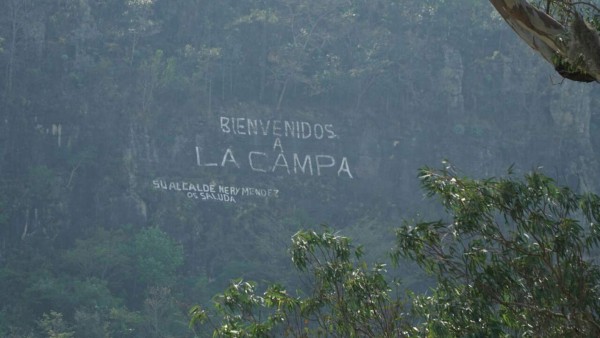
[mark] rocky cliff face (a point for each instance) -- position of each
(159, 128)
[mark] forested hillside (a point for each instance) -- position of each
(128, 126)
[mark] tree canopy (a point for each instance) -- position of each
(515, 258)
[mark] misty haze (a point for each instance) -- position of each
(299, 168)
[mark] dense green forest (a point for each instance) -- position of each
(104, 102)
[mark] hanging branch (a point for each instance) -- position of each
(572, 48)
